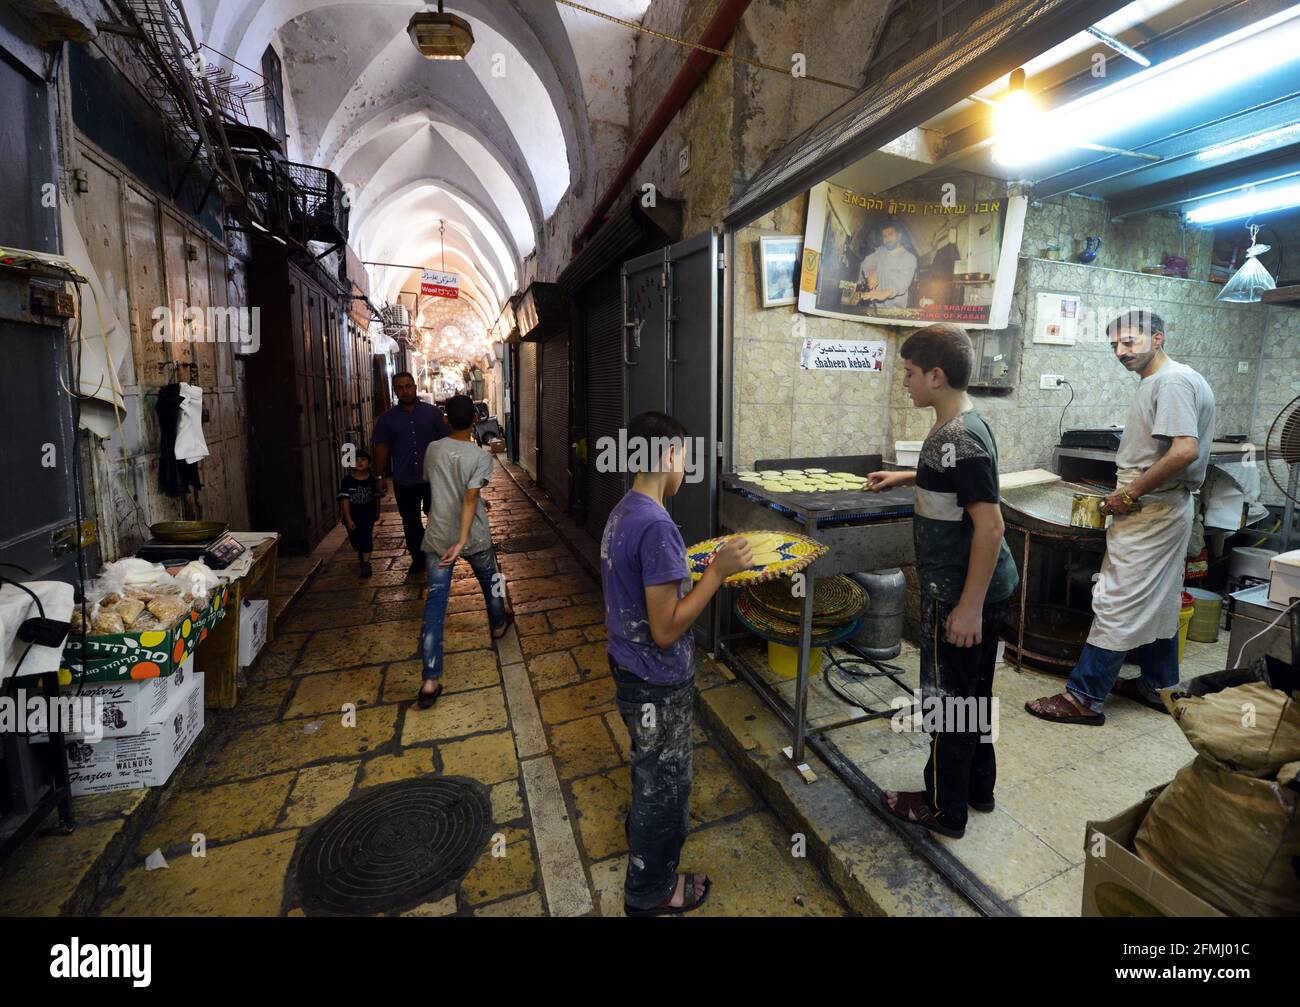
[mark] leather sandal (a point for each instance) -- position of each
(913, 806)
(692, 898)
(1060, 709)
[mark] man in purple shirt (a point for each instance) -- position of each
(402, 435)
(649, 610)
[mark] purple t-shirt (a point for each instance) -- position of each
(642, 547)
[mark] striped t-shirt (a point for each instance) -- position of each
(958, 466)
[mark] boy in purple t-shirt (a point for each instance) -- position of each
(649, 610)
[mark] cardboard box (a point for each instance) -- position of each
(253, 616)
(124, 657)
(1117, 882)
(1284, 577)
(130, 707)
(147, 759)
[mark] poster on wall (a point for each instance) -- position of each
(843, 355)
(438, 284)
(779, 260)
(930, 250)
(1057, 319)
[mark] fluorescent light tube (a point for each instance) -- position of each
(1245, 204)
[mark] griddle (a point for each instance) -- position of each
(829, 507)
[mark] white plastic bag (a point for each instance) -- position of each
(1250, 281)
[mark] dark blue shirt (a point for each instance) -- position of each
(408, 436)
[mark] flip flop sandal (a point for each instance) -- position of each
(690, 900)
(505, 628)
(912, 808)
(1059, 710)
(427, 699)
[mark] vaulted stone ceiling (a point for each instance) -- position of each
(488, 146)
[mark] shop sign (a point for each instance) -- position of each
(843, 355)
(437, 284)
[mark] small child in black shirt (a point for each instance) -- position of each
(359, 496)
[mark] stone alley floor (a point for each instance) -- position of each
(533, 719)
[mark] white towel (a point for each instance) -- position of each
(16, 607)
(190, 444)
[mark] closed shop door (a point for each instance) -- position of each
(555, 419)
(528, 408)
(603, 320)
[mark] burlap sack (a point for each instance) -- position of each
(1251, 728)
(1229, 838)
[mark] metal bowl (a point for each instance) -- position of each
(187, 531)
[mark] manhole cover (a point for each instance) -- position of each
(526, 543)
(394, 847)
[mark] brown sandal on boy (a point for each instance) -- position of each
(693, 895)
(913, 806)
(505, 626)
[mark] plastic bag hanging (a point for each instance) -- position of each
(1250, 281)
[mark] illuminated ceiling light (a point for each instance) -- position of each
(1230, 61)
(1016, 124)
(1246, 204)
(440, 35)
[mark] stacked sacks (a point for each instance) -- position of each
(1228, 826)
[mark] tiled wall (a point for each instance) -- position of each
(782, 411)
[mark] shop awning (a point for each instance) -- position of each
(992, 45)
(625, 230)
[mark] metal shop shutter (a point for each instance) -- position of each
(555, 419)
(528, 407)
(603, 311)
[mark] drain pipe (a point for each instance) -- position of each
(688, 78)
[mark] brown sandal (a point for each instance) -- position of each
(1060, 709)
(913, 806)
(692, 898)
(505, 626)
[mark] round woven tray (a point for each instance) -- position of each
(835, 600)
(763, 625)
(776, 554)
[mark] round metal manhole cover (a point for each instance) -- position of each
(526, 543)
(394, 847)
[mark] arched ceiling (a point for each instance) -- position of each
(488, 146)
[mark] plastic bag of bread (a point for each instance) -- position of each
(166, 608)
(107, 622)
(129, 609)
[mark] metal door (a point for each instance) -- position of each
(554, 436)
(528, 408)
(671, 345)
(603, 319)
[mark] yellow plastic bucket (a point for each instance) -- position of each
(1184, 620)
(1204, 627)
(785, 660)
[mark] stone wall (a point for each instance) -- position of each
(1278, 375)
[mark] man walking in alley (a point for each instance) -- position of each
(402, 435)
(1162, 459)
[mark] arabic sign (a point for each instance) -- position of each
(436, 284)
(843, 355)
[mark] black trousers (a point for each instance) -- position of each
(958, 711)
(660, 720)
(409, 501)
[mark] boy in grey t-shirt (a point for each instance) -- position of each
(457, 469)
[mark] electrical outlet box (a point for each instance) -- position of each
(1050, 381)
(1242, 367)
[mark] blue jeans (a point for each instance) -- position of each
(484, 565)
(1095, 674)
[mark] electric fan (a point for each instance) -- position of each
(1282, 450)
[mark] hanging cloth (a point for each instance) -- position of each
(190, 445)
(175, 477)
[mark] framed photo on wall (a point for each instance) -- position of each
(778, 258)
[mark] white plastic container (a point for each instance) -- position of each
(1284, 577)
(907, 453)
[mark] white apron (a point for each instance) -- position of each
(1137, 595)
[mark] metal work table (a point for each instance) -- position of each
(864, 530)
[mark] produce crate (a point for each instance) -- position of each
(115, 657)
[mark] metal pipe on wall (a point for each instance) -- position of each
(689, 77)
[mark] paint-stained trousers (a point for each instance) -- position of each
(962, 767)
(660, 720)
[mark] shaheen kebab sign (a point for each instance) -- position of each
(436, 284)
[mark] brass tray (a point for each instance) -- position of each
(187, 531)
